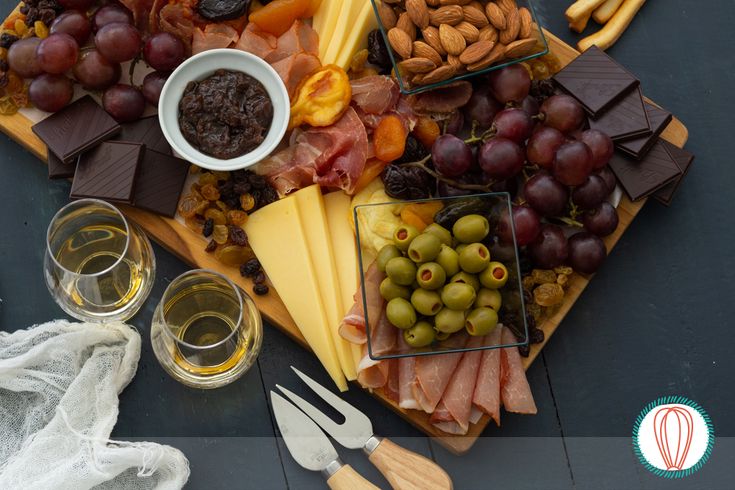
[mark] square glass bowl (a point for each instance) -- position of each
(407, 87)
(374, 225)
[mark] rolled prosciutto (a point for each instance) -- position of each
(372, 373)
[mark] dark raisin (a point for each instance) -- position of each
(259, 278)
(536, 336)
(211, 246)
(403, 182)
(46, 16)
(208, 227)
(524, 350)
(4, 65)
(241, 187)
(238, 236)
(267, 196)
(250, 268)
(530, 320)
(260, 289)
(6, 40)
(3, 79)
(542, 89)
(414, 151)
(378, 51)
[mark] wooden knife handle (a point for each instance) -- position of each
(346, 478)
(406, 470)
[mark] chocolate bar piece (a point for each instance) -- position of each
(642, 178)
(659, 119)
(146, 131)
(160, 182)
(58, 169)
(76, 128)
(108, 172)
(684, 160)
(595, 80)
(625, 120)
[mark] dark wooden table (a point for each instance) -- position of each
(656, 320)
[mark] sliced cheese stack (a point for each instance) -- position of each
(311, 262)
(343, 26)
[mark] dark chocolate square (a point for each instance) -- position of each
(76, 128)
(684, 160)
(160, 182)
(626, 119)
(58, 169)
(146, 131)
(644, 177)
(596, 80)
(659, 119)
(108, 172)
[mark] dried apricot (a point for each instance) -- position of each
(237, 217)
(277, 17)
(373, 168)
(426, 131)
(409, 217)
(217, 216)
(210, 192)
(425, 210)
(390, 138)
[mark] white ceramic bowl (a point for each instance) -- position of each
(199, 67)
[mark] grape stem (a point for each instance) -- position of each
(456, 184)
(131, 70)
(483, 137)
(570, 221)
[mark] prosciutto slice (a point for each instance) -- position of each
(375, 94)
(292, 69)
(391, 388)
(372, 373)
(352, 327)
(406, 378)
(213, 36)
(434, 372)
(486, 397)
(514, 389)
(256, 41)
(300, 38)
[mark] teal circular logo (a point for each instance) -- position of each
(673, 437)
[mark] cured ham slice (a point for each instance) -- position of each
(406, 378)
(375, 94)
(176, 19)
(514, 389)
(443, 100)
(391, 388)
(300, 38)
(434, 372)
(452, 415)
(292, 69)
(352, 327)
(256, 41)
(372, 373)
(214, 36)
(487, 389)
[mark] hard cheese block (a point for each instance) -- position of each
(361, 24)
(341, 29)
(314, 219)
(278, 237)
(324, 23)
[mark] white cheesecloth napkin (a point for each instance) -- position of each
(59, 386)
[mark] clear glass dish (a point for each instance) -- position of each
(370, 239)
(542, 48)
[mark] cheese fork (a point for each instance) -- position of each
(404, 469)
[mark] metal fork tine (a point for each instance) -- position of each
(316, 415)
(351, 414)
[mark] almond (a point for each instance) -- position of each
(479, 6)
(488, 33)
(475, 52)
(496, 54)
(451, 40)
(513, 27)
(450, 15)
(387, 15)
(495, 16)
(444, 72)
(400, 42)
(474, 16)
(454, 61)
(469, 32)
(417, 65)
(454, 2)
(431, 36)
(507, 6)
(520, 48)
(432, 3)
(423, 50)
(405, 24)
(526, 20)
(418, 12)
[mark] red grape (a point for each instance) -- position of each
(74, 23)
(118, 42)
(111, 13)
(76, 4)
(572, 163)
(549, 249)
(526, 223)
(482, 108)
(601, 221)
(22, 57)
(57, 53)
(586, 252)
(544, 194)
(562, 112)
(609, 177)
(530, 105)
(152, 86)
(451, 155)
(514, 124)
(50, 93)
(510, 84)
(500, 158)
(600, 145)
(455, 123)
(591, 193)
(94, 72)
(542, 146)
(123, 102)
(163, 51)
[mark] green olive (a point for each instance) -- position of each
(401, 271)
(441, 335)
(471, 228)
(449, 321)
(390, 290)
(460, 247)
(424, 248)
(420, 335)
(481, 321)
(404, 235)
(474, 258)
(458, 296)
(490, 298)
(440, 232)
(426, 302)
(386, 253)
(494, 276)
(466, 278)
(400, 313)
(448, 259)
(431, 276)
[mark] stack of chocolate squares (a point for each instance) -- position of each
(129, 163)
(644, 163)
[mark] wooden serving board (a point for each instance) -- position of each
(189, 247)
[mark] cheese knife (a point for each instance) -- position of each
(404, 469)
(311, 449)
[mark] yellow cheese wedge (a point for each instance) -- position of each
(320, 236)
(341, 30)
(362, 22)
(324, 23)
(278, 238)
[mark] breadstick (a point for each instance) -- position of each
(603, 13)
(581, 8)
(606, 37)
(581, 24)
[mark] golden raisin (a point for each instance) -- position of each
(541, 276)
(220, 174)
(358, 61)
(528, 283)
(247, 202)
(210, 192)
(563, 269)
(390, 138)
(217, 216)
(40, 29)
(220, 234)
(562, 280)
(224, 207)
(233, 255)
(203, 206)
(8, 106)
(237, 217)
(548, 294)
(196, 224)
(188, 206)
(207, 178)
